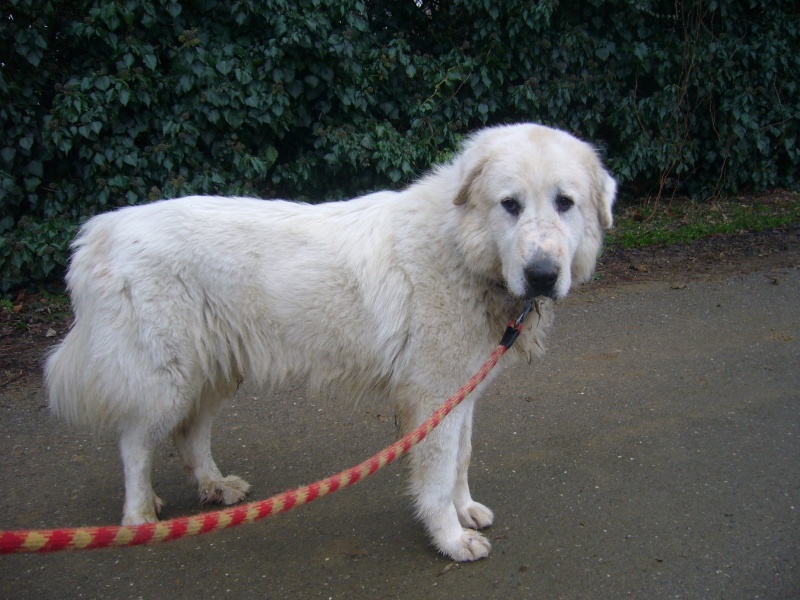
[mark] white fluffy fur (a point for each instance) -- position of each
(401, 294)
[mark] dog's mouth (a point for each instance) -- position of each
(539, 295)
(535, 298)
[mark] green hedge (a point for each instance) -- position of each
(107, 104)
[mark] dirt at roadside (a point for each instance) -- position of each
(36, 323)
(715, 257)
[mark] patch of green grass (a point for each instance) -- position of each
(31, 311)
(55, 307)
(680, 220)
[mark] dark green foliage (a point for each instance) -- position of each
(107, 104)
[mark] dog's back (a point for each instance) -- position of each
(202, 292)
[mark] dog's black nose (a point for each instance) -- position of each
(541, 278)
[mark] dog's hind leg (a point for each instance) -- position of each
(193, 442)
(142, 505)
(470, 513)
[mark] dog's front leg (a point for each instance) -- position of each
(434, 479)
(471, 514)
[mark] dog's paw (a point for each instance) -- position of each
(470, 545)
(228, 490)
(475, 516)
(140, 517)
(147, 514)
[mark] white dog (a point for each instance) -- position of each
(401, 294)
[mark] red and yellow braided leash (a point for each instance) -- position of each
(50, 540)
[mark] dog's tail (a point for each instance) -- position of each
(73, 371)
(65, 376)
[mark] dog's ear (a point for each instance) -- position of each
(469, 182)
(604, 196)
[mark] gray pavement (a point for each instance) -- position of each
(654, 453)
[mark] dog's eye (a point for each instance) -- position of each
(512, 206)
(564, 203)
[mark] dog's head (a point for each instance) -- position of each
(533, 203)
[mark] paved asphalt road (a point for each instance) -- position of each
(654, 453)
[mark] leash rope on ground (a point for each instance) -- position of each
(86, 538)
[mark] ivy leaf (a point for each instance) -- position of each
(174, 9)
(224, 66)
(35, 168)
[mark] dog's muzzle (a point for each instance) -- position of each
(541, 278)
